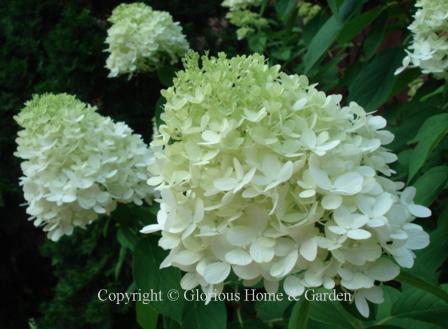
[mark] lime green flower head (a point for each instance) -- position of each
(241, 16)
(429, 47)
(77, 164)
(264, 175)
(142, 39)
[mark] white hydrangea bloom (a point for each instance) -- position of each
(263, 175)
(240, 4)
(77, 164)
(429, 48)
(142, 39)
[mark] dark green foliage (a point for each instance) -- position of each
(83, 264)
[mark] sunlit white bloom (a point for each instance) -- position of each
(429, 48)
(142, 39)
(238, 4)
(264, 176)
(77, 164)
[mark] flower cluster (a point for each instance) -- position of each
(308, 10)
(240, 4)
(263, 175)
(142, 39)
(241, 16)
(77, 164)
(429, 49)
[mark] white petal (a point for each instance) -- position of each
(374, 294)
(211, 137)
(240, 235)
(156, 180)
(331, 201)
(216, 272)
(417, 238)
(358, 234)
(383, 204)
(307, 194)
(185, 257)
(337, 230)
(361, 305)
(293, 286)
(248, 272)
(299, 104)
(383, 270)
(151, 228)
(320, 177)
(238, 257)
(419, 211)
(408, 194)
(308, 249)
(404, 257)
(225, 184)
(261, 252)
(309, 138)
(286, 172)
(285, 265)
(349, 183)
(377, 122)
(189, 281)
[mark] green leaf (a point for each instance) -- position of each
(430, 134)
(159, 107)
(430, 184)
(430, 259)
(284, 8)
(408, 323)
(257, 42)
(332, 314)
(359, 23)
(146, 316)
(419, 305)
(334, 6)
(299, 315)
(127, 237)
(201, 316)
(391, 294)
(373, 84)
(268, 310)
(375, 37)
(324, 38)
(283, 53)
(166, 74)
(348, 8)
(149, 277)
(120, 261)
(417, 282)
(436, 92)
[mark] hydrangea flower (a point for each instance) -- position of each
(77, 164)
(308, 10)
(142, 39)
(239, 4)
(429, 48)
(264, 175)
(241, 16)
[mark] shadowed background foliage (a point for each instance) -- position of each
(58, 46)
